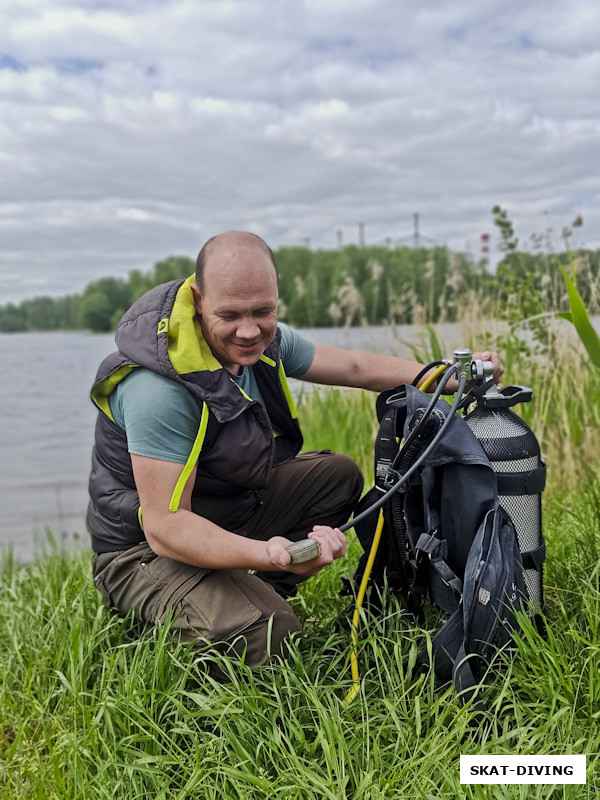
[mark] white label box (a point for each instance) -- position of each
(522, 769)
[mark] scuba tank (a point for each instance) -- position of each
(514, 454)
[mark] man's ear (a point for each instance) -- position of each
(197, 298)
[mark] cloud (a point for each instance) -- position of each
(130, 132)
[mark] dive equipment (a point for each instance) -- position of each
(492, 549)
(394, 487)
(304, 550)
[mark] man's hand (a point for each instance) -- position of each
(489, 355)
(332, 545)
(486, 355)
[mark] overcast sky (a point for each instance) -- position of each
(131, 131)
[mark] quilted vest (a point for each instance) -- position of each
(239, 439)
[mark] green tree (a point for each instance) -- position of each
(11, 319)
(139, 283)
(172, 269)
(95, 311)
(101, 302)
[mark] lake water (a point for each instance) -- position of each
(47, 429)
(48, 421)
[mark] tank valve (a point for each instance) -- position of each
(482, 370)
(472, 369)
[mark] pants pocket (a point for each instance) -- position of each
(207, 605)
(222, 605)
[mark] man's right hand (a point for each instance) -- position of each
(332, 545)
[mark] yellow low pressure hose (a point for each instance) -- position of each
(355, 688)
(433, 377)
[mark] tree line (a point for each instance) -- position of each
(352, 285)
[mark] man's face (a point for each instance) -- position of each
(238, 304)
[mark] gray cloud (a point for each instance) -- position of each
(129, 132)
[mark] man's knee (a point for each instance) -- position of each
(348, 475)
(343, 482)
(239, 614)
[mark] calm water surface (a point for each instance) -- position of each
(47, 428)
(48, 421)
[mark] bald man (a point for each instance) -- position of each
(198, 482)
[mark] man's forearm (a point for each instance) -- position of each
(373, 371)
(378, 372)
(191, 539)
(187, 537)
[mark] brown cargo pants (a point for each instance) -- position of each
(233, 610)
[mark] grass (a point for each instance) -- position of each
(92, 708)
(340, 419)
(565, 411)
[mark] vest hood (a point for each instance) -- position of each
(161, 332)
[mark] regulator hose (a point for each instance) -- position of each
(355, 688)
(426, 369)
(434, 376)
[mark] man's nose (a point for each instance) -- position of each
(247, 329)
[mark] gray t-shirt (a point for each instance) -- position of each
(166, 428)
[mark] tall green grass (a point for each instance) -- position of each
(340, 419)
(93, 707)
